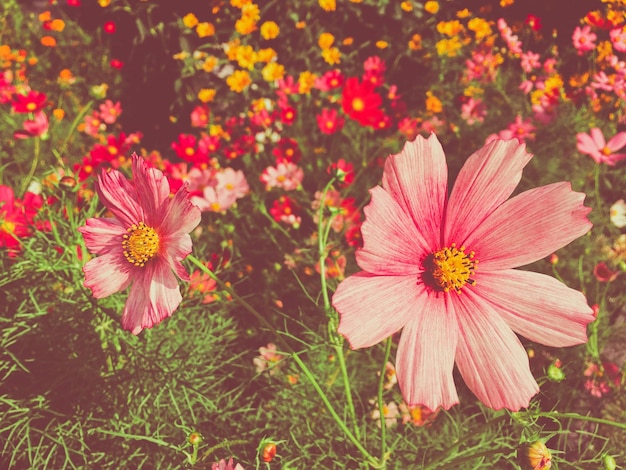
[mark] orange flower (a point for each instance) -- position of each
(48, 41)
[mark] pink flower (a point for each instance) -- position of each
(473, 111)
(595, 145)
(603, 273)
(583, 39)
(110, 111)
(286, 175)
(329, 122)
(529, 61)
(144, 241)
(618, 38)
(218, 191)
(223, 465)
(199, 116)
(520, 130)
(36, 127)
(440, 268)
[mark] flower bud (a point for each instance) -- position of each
(194, 438)
(539, 457)
(269, 452)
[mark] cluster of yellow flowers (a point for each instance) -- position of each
(330, 54)
(203, 29)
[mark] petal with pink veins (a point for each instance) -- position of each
(486, 180)
(417, 179)
(107, 274)
(102, 235)
(372, 308)
(490, 357)
(537, 306)
(529, 226)
(425, 357)
(120, 197)
(181, 215)
(617, 142)
(392, 245)
(598, 138)
(153, 190)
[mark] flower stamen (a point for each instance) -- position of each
(452, 268)
(140, 244)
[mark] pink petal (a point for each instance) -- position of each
(181, 215)
(102, 235)
(617, 142)
(529, 226)
(417, 179)
(490, 357)
(586, 145)
(391, 242)
(153, 297)
(153, 190)
(614, 158)
(177, 249)
(487, 179)
(373, 308)
(425, 357)
(537, 306)
(107, 274)
(598, 138)
(120, 197)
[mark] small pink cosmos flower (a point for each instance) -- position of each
(286, 175)
(440, 267)
(595, 145)
(224, 465)
(109, 111)
(583, 39)
(618, 38)
(143, 244)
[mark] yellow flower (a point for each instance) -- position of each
(265, 55)
(215, 130)
(356, 1)
(306, 80)
(480, 27)
(104, 3)
(273, 71)
(578, 81)
(433, 104)
(190, 20)
(473, 91)
(415, 43)
(239, 81)
(251, 12)
(431, 7)
(450, 28)
(48, 41)
(506, 3)
(332, 56)
(231, 49)
(209, 64)
(328, 5)
(301, 25)
(269, 30)
(206, 95)
(205, 29)
(604, 49)
(449, 47)
(57, 25)
(347, 41)
(58, 114)
(66, 77)
(464, 13)
(240, 3)
(246, 57)
(406, 6)
(45, 16)
(325, 41)
(245, 26)
(182, 55)
(382, 44)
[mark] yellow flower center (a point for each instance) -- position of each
(31, 106)
(452, 268)
(358, 104)
(606, 151)
(140, 244)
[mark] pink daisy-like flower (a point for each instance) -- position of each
(583, 39)
(143, 244)
(439, 267)
(595, 145)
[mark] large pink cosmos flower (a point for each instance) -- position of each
(142, 244)
(439, 267)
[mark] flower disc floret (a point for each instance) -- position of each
(451, 268)
(140, 244)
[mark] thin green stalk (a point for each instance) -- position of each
(347, 389)
(288, 348)
(33, 166)
(381, 386)
(321, 242)
(596, 183)
(371, 460)
(557, 416)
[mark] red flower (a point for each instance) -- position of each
(284, 210)
(287, 115)
(534, 22)
(343, 171)
(603, 274)
(109, 27)
(16, 218)
(117, 64)
(329, 122)
(361, 103)
(287, 151)
(185, 148)
(31, 103)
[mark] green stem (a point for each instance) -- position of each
(596, 183)
(347, 389)
(381, 386)
(371, 460)
(301, 364)
(33, 166)
(556, 416)
(321, 243)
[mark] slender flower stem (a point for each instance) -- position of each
(381, 385)
(321, 243)
(372, 460)
(33, 166)
(557, 416)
